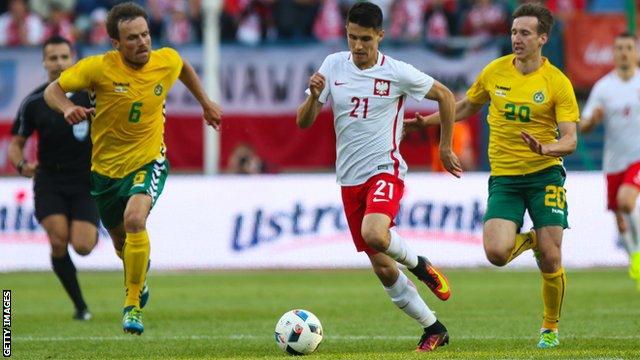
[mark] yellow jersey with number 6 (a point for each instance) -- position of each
(127, 130)
(535, 103)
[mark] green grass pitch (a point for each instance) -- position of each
(492, 314)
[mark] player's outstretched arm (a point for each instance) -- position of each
(16, 156)
(587, 124)
(56, 98)
(211, 112)
(564, 146)
(447, 106)
(310, 108)
(464, 109)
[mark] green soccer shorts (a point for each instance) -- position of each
(111, 195)
(541, 193)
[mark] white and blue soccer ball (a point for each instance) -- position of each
(298, 332)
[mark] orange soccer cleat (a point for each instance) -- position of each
(432, 277)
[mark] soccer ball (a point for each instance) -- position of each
(298, 332)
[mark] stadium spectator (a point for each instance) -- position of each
(256, 23)
(43, 7)
(486, 19)
(614, 101)
(407, 20)
(59, 24)
(19, 27)
(229, 19)
(294, 18)
(369, 165)
(526, 158)
(98, 32)
(178, 28)
(158, 11)
(244, 160)
(128, 162)
(440, 20)
(329, 24)
(63, 204)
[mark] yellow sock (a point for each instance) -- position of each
(553, 286)
(136, 257)
(524, 241)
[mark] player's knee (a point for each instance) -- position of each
(135, 222)
(83, 248)
(626, 206)
(374, 239)
(550, 261)
(497, 257)
(58, 245)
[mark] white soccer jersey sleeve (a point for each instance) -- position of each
(593, 101)
(325, 71)
(415, 82)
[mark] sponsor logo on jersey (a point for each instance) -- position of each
(338, 83)
(158, 90)
(502, 90)
(120, 88)
(381, 87)
(538, 97)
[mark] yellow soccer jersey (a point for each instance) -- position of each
(127, 130)
(535, 103)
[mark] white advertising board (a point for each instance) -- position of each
(297, 221)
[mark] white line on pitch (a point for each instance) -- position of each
(327, 337)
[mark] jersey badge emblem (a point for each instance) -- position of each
(538, 97)
(381, 87)
(158, 90)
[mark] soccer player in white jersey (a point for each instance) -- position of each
(368, 91)
(615, 101)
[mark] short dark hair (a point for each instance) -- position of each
(545, 19)
(366, 15)
(626, 35)
(54, 40)
(123, 12)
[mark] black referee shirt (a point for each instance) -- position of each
(62, 148)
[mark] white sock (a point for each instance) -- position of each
(627, 240)
(633, 222)
(404, 294)
(400, 252)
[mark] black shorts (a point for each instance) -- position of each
(67, 196)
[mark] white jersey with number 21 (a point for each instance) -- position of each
(368, 113)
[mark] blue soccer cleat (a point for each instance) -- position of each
(132, 320)
(548, 339)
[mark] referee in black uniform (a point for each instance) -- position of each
(63, 204)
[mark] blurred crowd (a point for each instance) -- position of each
(178, 22)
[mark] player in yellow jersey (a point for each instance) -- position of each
(128, 166)
(529, 101)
